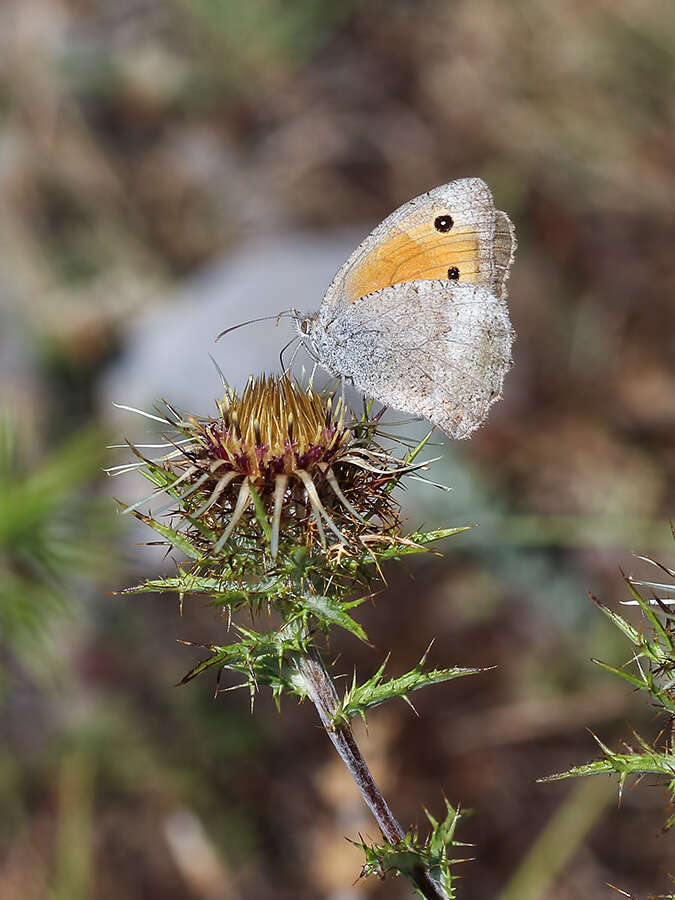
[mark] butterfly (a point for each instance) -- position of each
(417, 316)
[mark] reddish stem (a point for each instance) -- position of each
(324, 697)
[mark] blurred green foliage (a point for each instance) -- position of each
(54, 532)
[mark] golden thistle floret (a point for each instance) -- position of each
(275, 433)
(297, 449)
(276, 426)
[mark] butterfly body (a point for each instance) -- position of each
(416, 318)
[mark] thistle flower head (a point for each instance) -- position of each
(275, 427)
(282, 457)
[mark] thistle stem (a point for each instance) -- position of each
(324, 696)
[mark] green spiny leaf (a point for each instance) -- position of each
(627, 676)
(410, 457)
(647, 763)
(260, 513)
(358, 699)
(411, 854)
(263, 659)
(174, 537)
(164, 479)
(331, 611)
(648, 610)
(417, 541)
(631, 633)
(396, 548)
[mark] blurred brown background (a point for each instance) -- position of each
(170, 167)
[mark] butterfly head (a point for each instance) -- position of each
(315, 339)
(305, 326)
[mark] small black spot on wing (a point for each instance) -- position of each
(453, 273)
(443, 223)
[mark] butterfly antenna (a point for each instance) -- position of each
(277, 316)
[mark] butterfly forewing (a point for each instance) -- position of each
(448, 233)
(504, 248)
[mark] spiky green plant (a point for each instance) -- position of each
(651, 670)
(284, 502)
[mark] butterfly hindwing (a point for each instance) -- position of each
(439, 349)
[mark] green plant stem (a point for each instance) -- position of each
(324, 696)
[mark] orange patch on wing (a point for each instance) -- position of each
(420, 253)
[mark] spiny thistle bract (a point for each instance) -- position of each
(284, 502)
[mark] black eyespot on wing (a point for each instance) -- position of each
(453, 273)
(443, 223)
